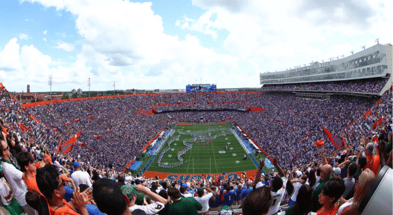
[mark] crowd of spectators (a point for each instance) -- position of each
(373, 85)
(88, 180)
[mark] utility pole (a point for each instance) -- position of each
(50, 84)
(88, 84)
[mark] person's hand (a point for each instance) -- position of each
(144, 201)
(262, 163)
(78, 200)
(87, 195)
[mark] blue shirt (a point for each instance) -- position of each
(228, 198)
(218, 202)
(238, 192)
(245, 192)
(69, 192)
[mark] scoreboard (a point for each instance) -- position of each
(201, 88)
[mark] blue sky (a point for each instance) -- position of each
(168, 44)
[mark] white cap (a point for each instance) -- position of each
(259, 184)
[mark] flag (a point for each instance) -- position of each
(90, 117)
(379, 101)
(23, 127)
(367, 114)
(76, 120)
(66, 123)
(96, 136)
(55, 129)
(59, 148)
(333, 139)
(33, 118)
(378, 122)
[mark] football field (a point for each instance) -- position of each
(210, 148)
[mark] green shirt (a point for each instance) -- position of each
(388, 147)
(186, 206)
(315, 206)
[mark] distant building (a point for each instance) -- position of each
(73, 91)
(28, 88)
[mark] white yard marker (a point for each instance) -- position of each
(169, 156)
(237, 162)
(234, 154)
(231, 148)
(173, 149)
(226, 138)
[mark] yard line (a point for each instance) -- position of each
(210, 169)
(215, 161)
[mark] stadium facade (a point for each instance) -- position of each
(374, 62)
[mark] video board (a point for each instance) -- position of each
(201, 88)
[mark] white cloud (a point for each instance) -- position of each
(204, 24)
(44, 39)
(65, 46)
(9, 56)
(125, 42)
(23, 36)
(45, 32)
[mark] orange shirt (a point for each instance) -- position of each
(376, 164)
(330, 212)
(369, 159)
(65, 210)
(31, 183)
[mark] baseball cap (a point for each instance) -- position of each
(337, 171)
(76, 165)
(298, 173)
(200, 191)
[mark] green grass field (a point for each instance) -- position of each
(204, 158)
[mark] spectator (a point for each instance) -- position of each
(6, 197)
(362, 162)
(109, 198)
(14, 178)
(302, 205)
(331, 192)
(361, 187)
(51, 186)
(215, 201)
(325, 172)
(153, 208)
(349, 181)
(26, 162)
(79, 176)
(179, 205)
(258, 201)
(203, 199)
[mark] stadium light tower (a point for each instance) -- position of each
(88, 84)
(50, 84)
(114, 88)
(377, 40)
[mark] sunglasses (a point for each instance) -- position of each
(63, 183)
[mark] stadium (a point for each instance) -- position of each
(311, 139)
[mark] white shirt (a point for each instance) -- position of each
(14, 178)
(204, 201)
(187, 195)
(80, 177)
(296, 188)
(277, 197)
(152, 208)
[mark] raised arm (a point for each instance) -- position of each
(259, 172)
(152, 195)
(324, 160)
(275, 163)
